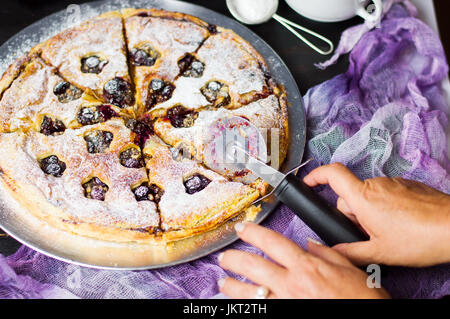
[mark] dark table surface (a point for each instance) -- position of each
(17, 14)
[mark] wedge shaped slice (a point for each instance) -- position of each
(92, 55)
(234, 75)
(194, 199)
(77, 181)
(38, 92)
(158, 41)
(269, 115)
(13, 71)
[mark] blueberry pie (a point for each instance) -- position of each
(93, 121)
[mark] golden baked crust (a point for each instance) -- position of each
(109, 172)
(13, 71)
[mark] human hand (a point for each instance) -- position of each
(408, 222)
(319, 273)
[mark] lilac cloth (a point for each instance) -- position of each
(385, 116)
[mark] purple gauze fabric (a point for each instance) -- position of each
(384, 117)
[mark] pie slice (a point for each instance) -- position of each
(189, 130)
(39, 98)
(82, 181)
(92, 56)
(194, 199)
(234, 75)
(13, 71)
(159, 46)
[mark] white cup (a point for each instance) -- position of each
(336, 10)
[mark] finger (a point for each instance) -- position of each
(282, 250)
(327, 253)
(344, 209)
(239, 290)
(339, 177)
(342, 206)
(254, 267)
(360, 253)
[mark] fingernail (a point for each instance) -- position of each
(221, 282)
(220, 257)
(239, 227)
(312, 240)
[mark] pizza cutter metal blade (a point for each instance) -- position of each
(237, 146)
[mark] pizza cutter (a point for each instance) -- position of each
(237, 145)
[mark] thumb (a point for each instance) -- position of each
(360, 253)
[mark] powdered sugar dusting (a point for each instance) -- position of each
(170, 38)
(227, 61)
(73, 15)
(119, 208)
(177, 207)
(102, 37)
(31, 96)
(264, 114)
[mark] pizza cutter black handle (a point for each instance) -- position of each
(325, 220)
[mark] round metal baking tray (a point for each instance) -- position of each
(132, 256)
